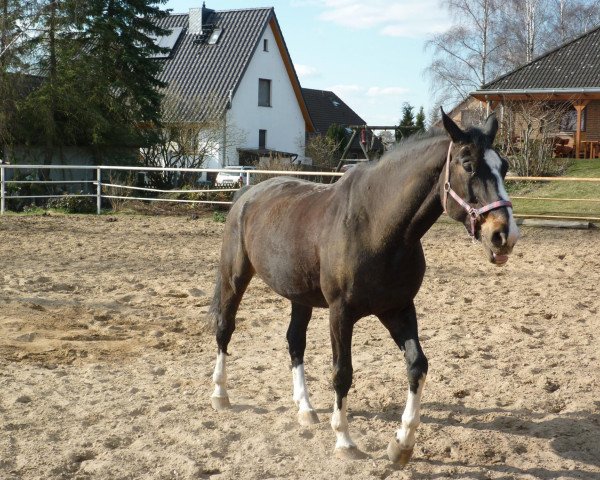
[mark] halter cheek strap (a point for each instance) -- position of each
(474, 213)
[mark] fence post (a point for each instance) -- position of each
(247, 178)
(98, 190)
(2, 190)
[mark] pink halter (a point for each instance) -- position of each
(474, 213)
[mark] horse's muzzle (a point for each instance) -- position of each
(499, 234)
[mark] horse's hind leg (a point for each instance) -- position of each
(231, 285)
(296, 337)
(402, 326)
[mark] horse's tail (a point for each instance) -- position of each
(214, 312)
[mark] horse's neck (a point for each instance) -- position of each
(406, 196)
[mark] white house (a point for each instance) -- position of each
(233, 66)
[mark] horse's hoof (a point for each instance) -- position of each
(308, 418)
(398, 455)
(220, 403)
(349, 453)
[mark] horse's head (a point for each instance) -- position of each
(473, 188)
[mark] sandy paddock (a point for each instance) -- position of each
(105, 361)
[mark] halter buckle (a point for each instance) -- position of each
(447, 187)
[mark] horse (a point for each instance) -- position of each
(354, 247)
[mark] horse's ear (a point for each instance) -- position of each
(456, 134)
(491, 127)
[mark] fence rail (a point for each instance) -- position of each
(102, 193)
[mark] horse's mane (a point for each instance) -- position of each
(406, 147)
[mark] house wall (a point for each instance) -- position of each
(592, 123)
(592, 130)
(283, 121)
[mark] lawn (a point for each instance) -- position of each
(560, 198)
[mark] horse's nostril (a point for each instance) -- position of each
(499, 239)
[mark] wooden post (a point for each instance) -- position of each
(579, 106)
(2, 190)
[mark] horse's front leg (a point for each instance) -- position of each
(296, 337)
(402, 325)
(341, 326)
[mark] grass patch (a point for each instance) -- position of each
(587, 195)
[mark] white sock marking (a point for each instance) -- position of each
(300, 390)
(339, 423)
(220, 376)
(411, 418)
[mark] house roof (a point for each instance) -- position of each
(326, 108)
(202, 78)
(572, 68)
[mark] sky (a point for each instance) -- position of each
(370, 53)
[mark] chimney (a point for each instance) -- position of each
(197, 18)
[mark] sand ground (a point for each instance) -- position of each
(106, 363)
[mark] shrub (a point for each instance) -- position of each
(219, 216)
(73, 204)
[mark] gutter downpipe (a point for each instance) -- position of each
(224, 147)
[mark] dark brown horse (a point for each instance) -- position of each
(355, 247)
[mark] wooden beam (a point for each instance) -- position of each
(543, 97)
(579, 106)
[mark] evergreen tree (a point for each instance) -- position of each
(337, 134)
(407, 122)
(420, 120)
(13, 51)
(100, 81)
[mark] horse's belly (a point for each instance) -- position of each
(296, 284)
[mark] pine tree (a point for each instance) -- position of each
(420, 120)
(407, 122)
(13, 51)
(100, 81)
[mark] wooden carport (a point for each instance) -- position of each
(579, 98)
(569, 73)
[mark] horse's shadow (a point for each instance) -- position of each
(564, 432)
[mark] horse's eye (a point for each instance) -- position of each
(468, 166)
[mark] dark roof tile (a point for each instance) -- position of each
(573, 65)
(326, 108)
(200, 77)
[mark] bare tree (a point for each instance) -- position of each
(461, 55)
(186, 143)
(491, 37)
(528, 135)
(571, 18)
(323, 150)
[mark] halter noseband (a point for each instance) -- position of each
(474, 213)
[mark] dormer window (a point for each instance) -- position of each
(214, 36)
(265, 45)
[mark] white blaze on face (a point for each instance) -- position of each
(495, 163)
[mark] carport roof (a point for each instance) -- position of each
(568, 71)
